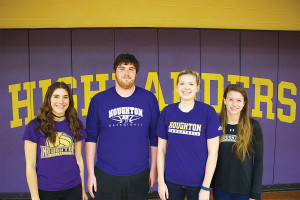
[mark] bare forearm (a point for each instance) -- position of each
(212, 148)
(81, 167)
(153, 157)
(90, 151)
(210, 168)
(32, 182)
(161, 155)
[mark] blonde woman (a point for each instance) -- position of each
(239, 170)
(188, 144)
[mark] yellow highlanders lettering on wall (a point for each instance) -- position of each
(235, 79)
(17, 104)
(286, 101)
(44, 84)
(207, 77)
(259, 82)
(88, 93)
(153, 78)
(174, 76)
(286, 109)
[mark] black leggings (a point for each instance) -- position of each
(74, 193)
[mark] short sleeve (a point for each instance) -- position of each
(31, 132)
(213, 128)
(161, 126)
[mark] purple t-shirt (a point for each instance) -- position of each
(187, 135)
(56, 164)
(126, 128)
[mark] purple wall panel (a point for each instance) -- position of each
(14, 69)
(39, 54)
(220, 54)
(141, 42)
(287, 138)
(259, 58)
(50, 58)
(92, 53)
(178, 49)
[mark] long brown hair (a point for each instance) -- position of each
(46, 119)
(244, 129)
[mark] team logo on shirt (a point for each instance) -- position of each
(63, 145)
(229, 138)
(125, 116)
(185, 128)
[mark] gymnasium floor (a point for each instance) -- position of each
(293, 195)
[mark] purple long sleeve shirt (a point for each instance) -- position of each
(124, 128)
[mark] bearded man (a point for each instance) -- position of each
(123, 119)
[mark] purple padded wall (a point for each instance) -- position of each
(92, 53)
(14, 69)
(259, 58)
(141, 42)
(220, 54)
(178, 49)
(286, 168)
(50, 58)
(40, 54)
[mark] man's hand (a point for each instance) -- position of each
(92, 184)
(152, 176)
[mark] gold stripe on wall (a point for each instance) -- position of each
(224, 14)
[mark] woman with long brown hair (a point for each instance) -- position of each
(52, 144)
(239, 170)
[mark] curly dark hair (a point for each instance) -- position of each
(45, 117)
(126, 59)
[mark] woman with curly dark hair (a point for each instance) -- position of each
(239, 168)
(53, 140)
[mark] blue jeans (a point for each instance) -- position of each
(178, 192)
(220, 195)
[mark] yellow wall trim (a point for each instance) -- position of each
(221, 14)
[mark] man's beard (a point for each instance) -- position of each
(125, 85)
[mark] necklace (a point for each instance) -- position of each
(57, 116)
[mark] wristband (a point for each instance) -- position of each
(205, 188)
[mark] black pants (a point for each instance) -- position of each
(134, 187)
(74, 193)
